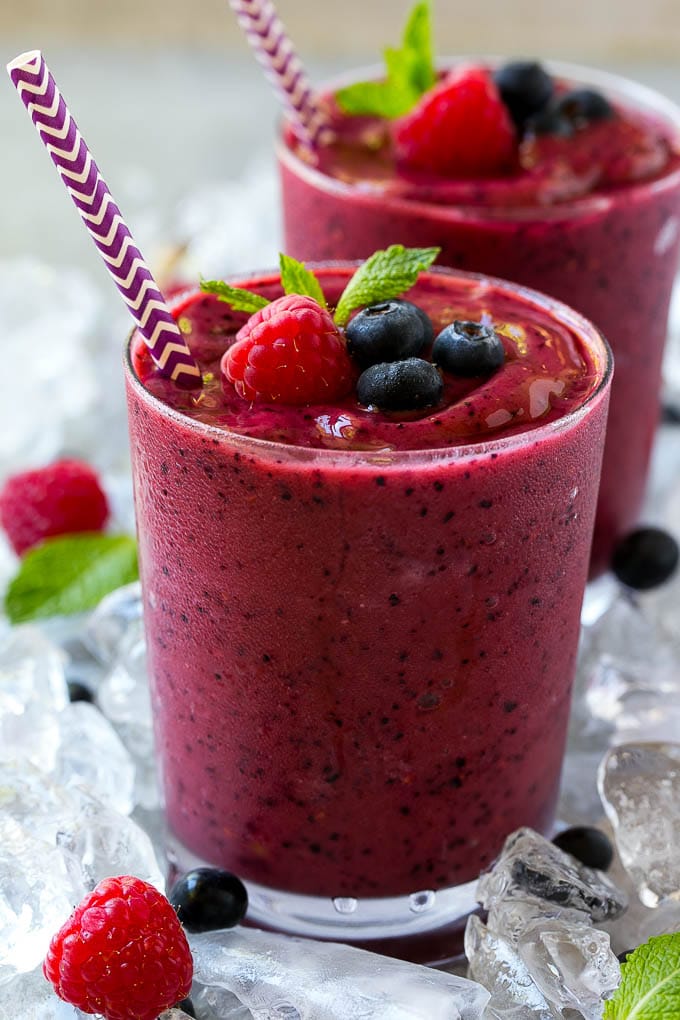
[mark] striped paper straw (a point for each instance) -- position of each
(60, 135)
(275, 52)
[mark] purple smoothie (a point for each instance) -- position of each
(362, 626)
(609, 249)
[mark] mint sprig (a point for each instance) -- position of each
(650, 982)
(409, 73)
(70, 574)
(384, 275)
(297, 279)
(240, 299)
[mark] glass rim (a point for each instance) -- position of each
(639, 96)
(386, 458)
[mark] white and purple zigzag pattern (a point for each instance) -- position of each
(275, 52)
(101, 216)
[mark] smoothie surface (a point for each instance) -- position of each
(602, 158)
(549, 371)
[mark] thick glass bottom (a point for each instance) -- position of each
(425, 926)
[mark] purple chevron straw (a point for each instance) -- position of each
(60, 135)
(275, 52)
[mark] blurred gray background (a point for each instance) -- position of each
(169, 97)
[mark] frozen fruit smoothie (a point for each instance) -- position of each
(579, 198)
(362, 623)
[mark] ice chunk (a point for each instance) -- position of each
(510, 916)
(32, 690)
(36, 897)
(91, 754)
(278, 976)
(31, 997)
(572, 964)
(531, 864)
(640, 789)
(115, 623)
(496, 965)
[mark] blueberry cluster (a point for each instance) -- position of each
(528, 91)
(387, 339)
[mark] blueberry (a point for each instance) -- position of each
(549, 121)
(468, 349)
(400, 385)
(670, 414)
(645, 558)
(388, 331)
(525, 87)
(588, 845)
(583, 106)
(206, 899)
(79, 692)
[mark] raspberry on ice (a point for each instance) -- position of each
(460, 128)
(62, 498)
(122, 953)
(289, 352)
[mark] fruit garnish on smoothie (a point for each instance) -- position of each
(484, 133)
(387, 355)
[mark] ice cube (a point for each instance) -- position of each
(529, 863)
(278, 976)
(32, 690)
(496, 965)
(572, 964)
(115, 623)
(36, 897)
(91, 754)
(31, 997)
(510, 916)
(640, 789)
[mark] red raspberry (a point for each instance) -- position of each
(122, 953)
(290, 352)
(59, 499)
(460, 128)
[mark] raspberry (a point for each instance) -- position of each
(290, 352)
(59, 499)
(122, 953)
(460, 128)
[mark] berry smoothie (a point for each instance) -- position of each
(590, 217)
(362, 625)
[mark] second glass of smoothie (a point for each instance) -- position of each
(609, 250)
(362, 626)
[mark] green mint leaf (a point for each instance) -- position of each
(297, 279)
(650, 982)
(241, 300)
(70, 574)
(385, 275)
(375, 99)
(409, 73)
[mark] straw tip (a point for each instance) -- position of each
(28, 61)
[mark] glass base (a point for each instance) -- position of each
(423, 927)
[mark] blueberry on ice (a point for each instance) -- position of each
(468, 349)
(78, 691)
(525, 87)
(400, 385)
(645, 558)
(207, 899)
(588, 845)
(388, 331)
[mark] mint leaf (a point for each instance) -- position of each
(69, 574)
(385, 275)
(297, 279)
(650, 983)
(409, 73)
(241, 300)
